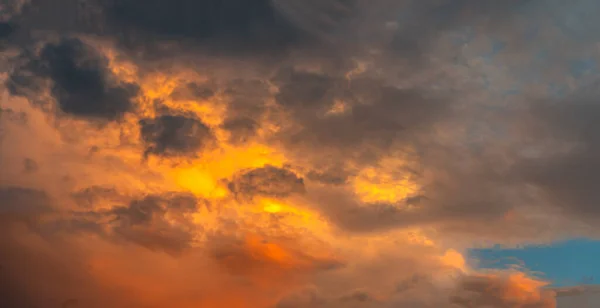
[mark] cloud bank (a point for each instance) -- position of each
(280, 154)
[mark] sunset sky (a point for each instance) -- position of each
(299, 154)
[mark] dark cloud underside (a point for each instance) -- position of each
(267, 181)
(174, 135)
(80, 80)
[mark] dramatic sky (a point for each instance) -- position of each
(299, 154)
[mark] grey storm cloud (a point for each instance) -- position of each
(267, 181)
(89, 196)
(193, 90)
(6, 29)
(157, 222)
(81, 82)
(566, 171)
(246, 107)
(172, 135)
(375, 117)
(233, 24)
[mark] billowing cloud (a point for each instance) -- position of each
(267, 181)
(174, 135)
(273, 154)
(156, 222)
(80, 81)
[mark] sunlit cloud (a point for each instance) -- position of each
(273, 154)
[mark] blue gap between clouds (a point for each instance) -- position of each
(568, 263)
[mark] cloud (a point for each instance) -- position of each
(89, 196)
(267, 181)
(24, 201)
(279, 154)
(565, 169)
(81, 82)
(174, 135)
(6, 29)
(231, 26)
(157, 222)
(513, 291)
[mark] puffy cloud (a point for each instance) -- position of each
(82, 85)
(174, 135)
(267, 181)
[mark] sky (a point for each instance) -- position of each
(296, 154)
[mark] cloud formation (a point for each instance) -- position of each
(172, 135)
(279, 154)
(81, 82)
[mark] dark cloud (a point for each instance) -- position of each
(354, 216)
(358, 297)
(7, 114)
(471, 291)
(303, 298)
(322, 19)
(424, 22)
(306, 92)
(231, 25)
(81, 81)
(565, 146)
(6, 29)
(193, 91)
(250, 256)
(455, 203)
(30, 166)
(576, 290)
(146, 222)
(88, 197)
(374, 114)
(23, 201)
(158, 222)
(334, 175)
(246, 106)
(267, 181)
(312, 298)
(492, 291)
(173, 135)
(241, 129)
(411, 283)
(331, 126)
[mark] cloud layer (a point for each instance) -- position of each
(283, 154)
